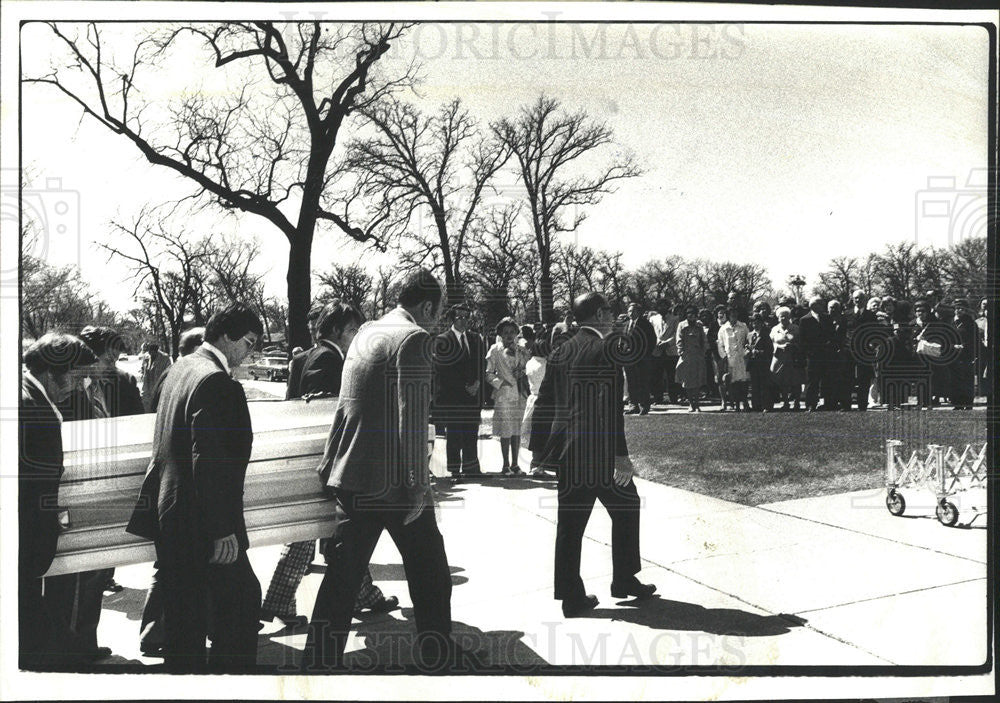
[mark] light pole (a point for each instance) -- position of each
(796, 281)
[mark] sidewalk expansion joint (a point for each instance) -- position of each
(879, 537)
(893, 595)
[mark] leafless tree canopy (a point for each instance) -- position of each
(416, 165)
(263, 148)
(548, 142)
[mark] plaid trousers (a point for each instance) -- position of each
(292, 566)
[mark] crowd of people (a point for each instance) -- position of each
(560, 388)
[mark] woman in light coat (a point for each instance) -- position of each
(692, 343)
(505, 371)
(732, 347)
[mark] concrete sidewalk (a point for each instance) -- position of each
(822, 581)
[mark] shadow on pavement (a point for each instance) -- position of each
(389, 643)
(662, 614)
(395, 572)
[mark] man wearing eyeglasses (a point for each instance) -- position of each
(191, 502)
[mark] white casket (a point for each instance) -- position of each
(106, 461)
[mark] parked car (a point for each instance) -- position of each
(273, 368)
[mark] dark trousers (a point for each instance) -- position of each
(222, 602)
(576, 503)
(461, 444)
(151, 627)
(760, 384)
(76, 601)
(37, 633)
(963, 383)
(840, 383)
(359, 524)
(674, 389)
(657, 380)
(817, 372)
(637, 377)
(864, 374)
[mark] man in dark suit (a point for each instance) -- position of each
(151, 624)
(376, 468)
(459, 365)
(861, 328)
(816, 337)
(642, 342)
(588, 444)
(321, 374)
(191, 502)
(46, 381)
(293, 388)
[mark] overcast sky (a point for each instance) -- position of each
(783, 145)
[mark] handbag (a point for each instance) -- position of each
(930, 349)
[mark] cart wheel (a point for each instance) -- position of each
(895, 503)
(947, 513)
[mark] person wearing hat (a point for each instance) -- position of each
(459, 369)
(934, 342)
(963, 369)
(45, 381)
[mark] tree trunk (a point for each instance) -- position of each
(545, 299)
(299, 295)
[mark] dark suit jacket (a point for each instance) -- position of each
(121, 393)
(588, 427)
(321, 370)
(642, 338)
(39, 468)
(193, 490)
(294, 389)
(453, 370)
(817, 337)
(378, 441)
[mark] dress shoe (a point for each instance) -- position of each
(152, 651)
(381, 606)
(113, 586)
(644, 411)
(635, 589)
(575, 607)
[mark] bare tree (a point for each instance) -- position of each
(262, 148)
(966, 270)
(165, 266)
(898, 269)
(416, 164)
(497, 252)
(351, 284)
(839, 280)
(548, 142)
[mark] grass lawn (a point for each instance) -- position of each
(752, 458)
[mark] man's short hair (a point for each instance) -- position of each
(190, 340)
(58, 353)
(419, 287)
(585, 306)
(102, 339)
(336, 316)
(316, 311)
(152, 347)
(450, 313)
(235, 321)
